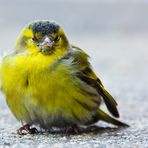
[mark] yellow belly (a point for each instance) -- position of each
(37, 93)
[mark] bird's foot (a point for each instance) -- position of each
(72, 129)
(24, 130)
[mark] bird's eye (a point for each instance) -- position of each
(57, 38)
(34, 39)
(37, 37)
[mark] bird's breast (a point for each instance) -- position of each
(38, 92)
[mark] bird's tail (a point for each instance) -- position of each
(101, 115)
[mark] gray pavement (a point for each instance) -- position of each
(120, 61)
(115, 35)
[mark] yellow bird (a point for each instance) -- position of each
(50, 83)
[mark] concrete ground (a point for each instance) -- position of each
(121, 63)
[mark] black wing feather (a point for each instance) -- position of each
(108, 99)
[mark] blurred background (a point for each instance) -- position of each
(113, 32)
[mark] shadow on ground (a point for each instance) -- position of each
(95, 130)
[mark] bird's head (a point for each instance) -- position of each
(42, 36)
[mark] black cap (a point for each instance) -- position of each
(44, 27)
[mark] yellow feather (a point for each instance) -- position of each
(47, 92)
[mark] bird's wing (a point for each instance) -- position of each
(85, 73)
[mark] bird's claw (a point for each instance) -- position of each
(72, 129)
(24, 130)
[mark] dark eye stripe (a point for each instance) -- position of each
(35, 39)
(57, 38)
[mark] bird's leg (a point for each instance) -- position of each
(73, 129)
(26, 130)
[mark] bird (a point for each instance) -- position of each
(48, 82)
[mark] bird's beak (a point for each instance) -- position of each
(46, 45)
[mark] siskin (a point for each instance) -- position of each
(50, 83)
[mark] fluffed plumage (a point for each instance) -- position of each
(50, 83)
